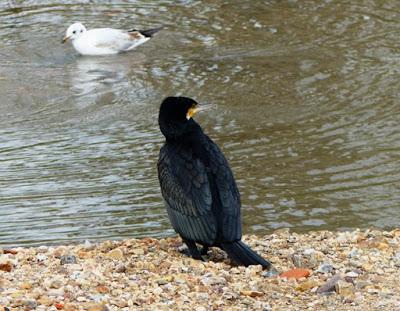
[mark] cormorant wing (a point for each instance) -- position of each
(186, 190)
(228, 193)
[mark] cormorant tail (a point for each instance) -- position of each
(243, 255)
(150, 32)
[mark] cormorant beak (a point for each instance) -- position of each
(195, 109)
(191, 112)
(65, 39)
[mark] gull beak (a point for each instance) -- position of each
(195, 109)
(65, 39)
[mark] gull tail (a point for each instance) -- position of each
(243, 255)
(150, 32)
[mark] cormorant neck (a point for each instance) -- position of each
(180, 132)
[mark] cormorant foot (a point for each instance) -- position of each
(204, 250)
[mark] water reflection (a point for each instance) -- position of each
(106, 78)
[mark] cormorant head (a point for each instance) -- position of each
(175, 116)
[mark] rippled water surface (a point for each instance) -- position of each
(306, 98)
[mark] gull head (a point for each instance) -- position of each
(73, 32)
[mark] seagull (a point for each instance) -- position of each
(106, 41)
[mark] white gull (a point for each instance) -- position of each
(105, 41)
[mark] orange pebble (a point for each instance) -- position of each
(59, 306)
(297, 273)
(7, 267)
(10, 251)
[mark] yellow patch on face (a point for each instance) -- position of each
(191, 112)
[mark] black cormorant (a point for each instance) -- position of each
(202, 199)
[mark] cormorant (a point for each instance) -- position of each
(202, 199)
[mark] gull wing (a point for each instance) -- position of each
(116, 40)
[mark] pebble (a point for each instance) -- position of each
(297, 261)
(297, 273)
(344, 288)
(41, 257)
(7, 267)
(118, 303)
(67, 259)
(329, 286)
(102, 289)
(352, 274)
(42, 249)
(307, 285)
(165, 280)
(396, 259)
(115, 254)
(26, 285)
(308, 251)
(325, 268)
(98, 307)
(56, 283)
(270, 273)
(342, 238)
(151, 274)
(120, 268)
(252, 293)
(354, 253)
(9, 251)
(46, 301)
(138, 251)
(29, 304)
(70, 307)
(212, 280)
(88, 245)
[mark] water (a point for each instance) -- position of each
(306, 110)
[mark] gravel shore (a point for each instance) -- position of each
(322, 270)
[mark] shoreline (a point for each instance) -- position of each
(353, 270)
